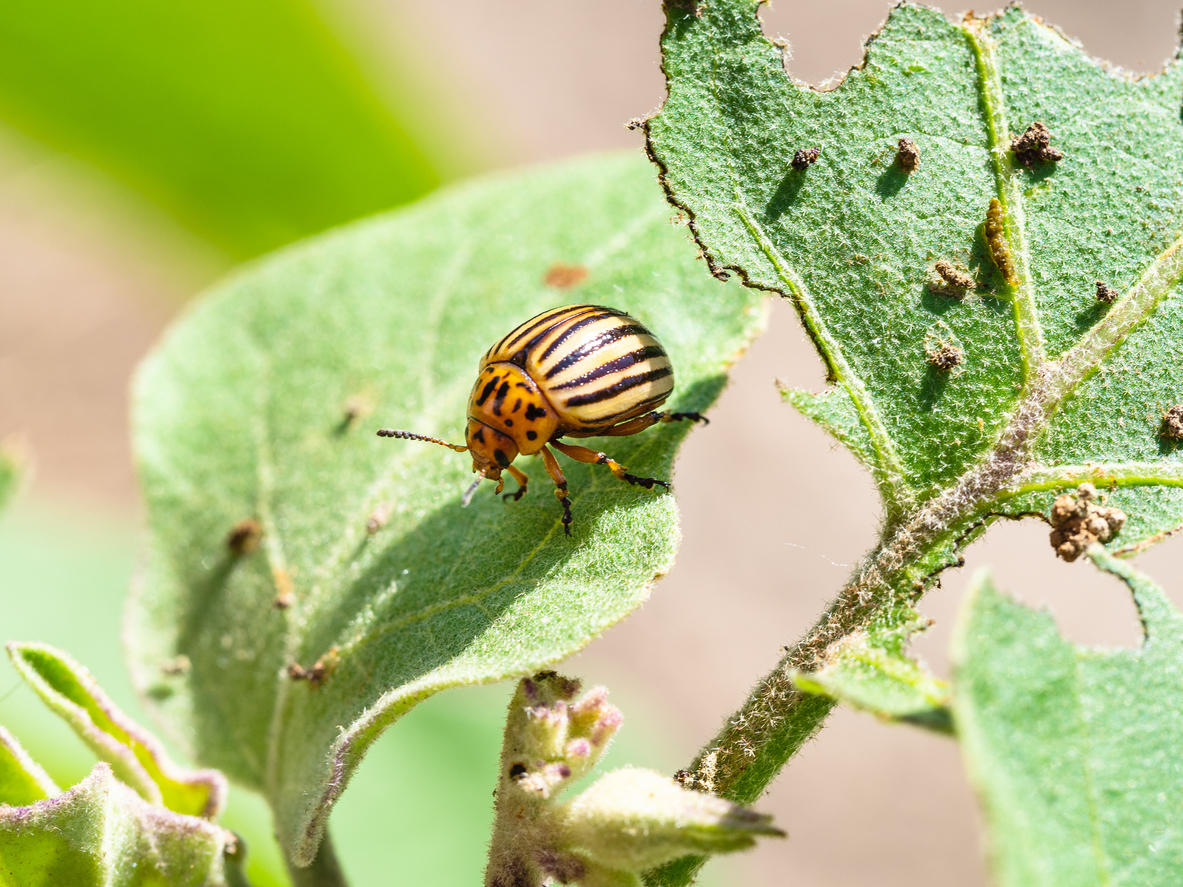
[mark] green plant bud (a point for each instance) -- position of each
(633, 819)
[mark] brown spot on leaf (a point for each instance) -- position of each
(320, 671)
(950, 279)
(805, 158)
(907, 155)
(1172, 422)
(1106, 293)
(1079, 519)
(244, 536)
(1035, 146)
(564, 277)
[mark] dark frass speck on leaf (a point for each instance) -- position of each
(907, 155)
(996, 240)
(1079, 519)
(944, 356)
(950, 279)
(804, 158)
(1106, 293)
(1035, 146)
(244, 536)
(1172, 422)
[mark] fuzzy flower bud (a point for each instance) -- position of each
(633, 819)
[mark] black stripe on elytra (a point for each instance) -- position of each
(614, 366)
(573, 328)
(607, 337)
(514, 339)
(620, 387)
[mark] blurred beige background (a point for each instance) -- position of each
(81, 300)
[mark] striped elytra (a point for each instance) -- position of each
(575, 371)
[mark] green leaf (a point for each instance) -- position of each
(261, 405)
(22, 780)
(870, 670)
(1056, 387)
(248, 122)
(1074, 751)
(135, 755)
(955, 304)
(102, 834)
(12, 472)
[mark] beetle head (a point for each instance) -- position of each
(491, 450)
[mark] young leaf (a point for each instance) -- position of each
(100, 833)
(22, 780)
(869, 669)
(321, 580)
(135, 755)
(1074, 751)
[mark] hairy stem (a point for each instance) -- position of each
(324, 871)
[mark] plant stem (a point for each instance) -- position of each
(324, 871)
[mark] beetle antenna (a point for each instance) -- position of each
(410, 435)
(468, 494)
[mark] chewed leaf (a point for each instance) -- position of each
(1074, 751)
(1001, 306)
(319, 580)
(136, 756)
(22, 780)
(100, 833)
(870, 670)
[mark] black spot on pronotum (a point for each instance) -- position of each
(1035, 146)
(487, 390)
(1106, 293)
(532, 435)
(805, 158)
(534, 412)
(907, 155)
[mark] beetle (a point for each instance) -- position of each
(575, 371)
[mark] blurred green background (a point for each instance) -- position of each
(146, 148)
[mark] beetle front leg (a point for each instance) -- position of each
(556, 474)
(523, 483)
(583, 454)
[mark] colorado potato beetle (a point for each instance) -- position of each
(576, 371)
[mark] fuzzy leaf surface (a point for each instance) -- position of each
(1074, 751)
(262, 405)
(22, 780)
(871, 670)
(1063, 386)
(135, 755)
(101, 833)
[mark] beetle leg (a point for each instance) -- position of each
(500, 485)
(523, 483)
(583, 454)
(632, 426)
(556, 474)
